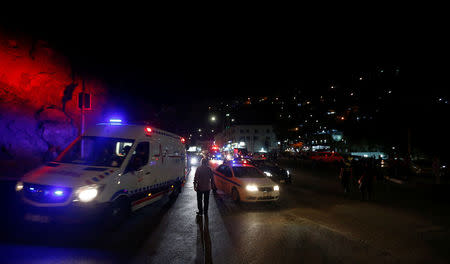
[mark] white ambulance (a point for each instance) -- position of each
(111, 170)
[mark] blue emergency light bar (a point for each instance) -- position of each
(115, 120)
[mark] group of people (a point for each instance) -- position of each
(361, 173)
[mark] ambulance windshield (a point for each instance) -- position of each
(97, 151)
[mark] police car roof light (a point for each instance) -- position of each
(115, 120)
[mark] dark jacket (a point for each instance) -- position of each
(204, 179)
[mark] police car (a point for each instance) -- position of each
(111, 170)
(245, 182)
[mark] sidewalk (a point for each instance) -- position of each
(426, 198)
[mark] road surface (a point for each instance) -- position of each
(312, 223)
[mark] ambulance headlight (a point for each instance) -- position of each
(251, 188)
(268, 174)
(194, 161)
(19, 186)
(87, 193)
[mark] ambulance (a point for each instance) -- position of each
(108, 172)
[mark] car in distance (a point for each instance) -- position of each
(273, 170)
(245, 182)
(326, 157)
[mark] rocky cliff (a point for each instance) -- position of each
(39, 114)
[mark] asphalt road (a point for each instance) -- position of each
(312, 223)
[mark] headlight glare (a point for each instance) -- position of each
(19, 186)
(268, 174)
(276, 188)
(87, 193)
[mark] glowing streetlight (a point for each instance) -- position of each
(213, 118)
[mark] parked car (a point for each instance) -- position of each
(273, 170)
(326, 157)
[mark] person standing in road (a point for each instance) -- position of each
(203, 183)
(436, 169)
(345, 176)
(366, 181)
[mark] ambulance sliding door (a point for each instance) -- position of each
(156, 163)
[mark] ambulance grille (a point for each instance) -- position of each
(46, 193)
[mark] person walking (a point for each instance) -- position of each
(345, 176)
(203, 183)
(436, 169)
(366, 181)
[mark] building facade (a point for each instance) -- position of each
(254, 138)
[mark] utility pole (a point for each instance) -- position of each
(82, 118)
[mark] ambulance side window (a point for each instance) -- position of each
(140, 156)
(142, 150)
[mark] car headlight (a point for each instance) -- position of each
(19, 186)
(251, 188)
(87, 193)
(276, 188)
(194, 160)
(268, 174)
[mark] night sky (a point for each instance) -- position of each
(151, 64)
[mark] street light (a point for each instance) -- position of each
(213, 118)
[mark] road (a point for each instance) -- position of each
(312, 223)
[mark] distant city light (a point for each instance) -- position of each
(213, 118)
(232, 120)
(227, 115)
(199, 130)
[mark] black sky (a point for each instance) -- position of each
(154, 62)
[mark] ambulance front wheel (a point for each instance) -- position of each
(119, 211)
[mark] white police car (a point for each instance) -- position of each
(245, 182)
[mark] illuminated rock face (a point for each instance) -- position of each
(39, 100)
